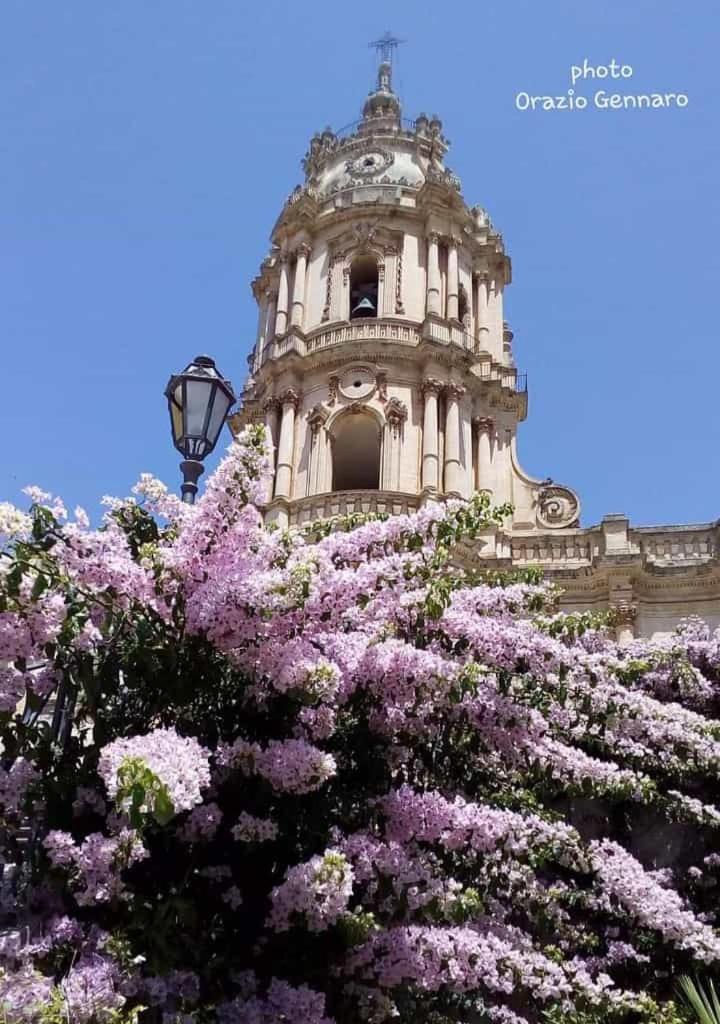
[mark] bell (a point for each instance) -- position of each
(364, 307)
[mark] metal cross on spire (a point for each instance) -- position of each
(385, 46)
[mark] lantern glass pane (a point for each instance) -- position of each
(176, 417)
(199, 395)
(217, 416)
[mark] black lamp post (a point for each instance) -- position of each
(199, 399)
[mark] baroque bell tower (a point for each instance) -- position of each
(383, 367)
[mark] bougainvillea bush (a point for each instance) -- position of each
(252, 776)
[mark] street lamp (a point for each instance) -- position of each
(199, 399)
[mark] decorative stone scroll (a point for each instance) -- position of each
(396, 413)
(333, 385)
(317, 417)
(557, 507)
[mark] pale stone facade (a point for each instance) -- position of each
(383, 369)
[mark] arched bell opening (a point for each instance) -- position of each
(356, 453)
(363, 287)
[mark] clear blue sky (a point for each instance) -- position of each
(146, 149)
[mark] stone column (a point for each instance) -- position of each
(452, 281)
(484, 427)
(270, 321)
(430, 389)
(317, 417)
(271, 408)
(482, 313)
(453, 466)
(298, 302)
(260, 339)
(286, 444)
(433, 275)
(495, 316)
(281, 316)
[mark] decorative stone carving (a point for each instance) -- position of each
(333, 382)
(317, 416)
(431, 385)
(453, 390)
(399, 308)
(484, 424)
(364, 233)
(370, 162)
(557, 507)
(396, 412)
(290, 397)
(624, 614)
(271, 403)
(357, 382)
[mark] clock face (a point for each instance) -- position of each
(370, 163)
(358, 382)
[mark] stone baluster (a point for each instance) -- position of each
(484, 427)
(286, 445)
(453, 465)
(433, 275)
(281, 316)
(430, 389)
(298, 302)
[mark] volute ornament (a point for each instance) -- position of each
(557, 507)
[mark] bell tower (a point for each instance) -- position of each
(383, 367)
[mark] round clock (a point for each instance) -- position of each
(370, 163)
(357, 383)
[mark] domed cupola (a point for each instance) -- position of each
(381, 111)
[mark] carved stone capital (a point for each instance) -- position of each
(432, 386)
(290, 397)
(303, 249)
(453, 390)
(484, 424)
(433, 236)
(624, 614)
(271, 404)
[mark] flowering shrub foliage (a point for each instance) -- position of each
(252, 777)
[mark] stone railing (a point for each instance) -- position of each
(661, 546)
(343, 503)
(562, 549)
(445, 333)
(369, 329)
(674, 545)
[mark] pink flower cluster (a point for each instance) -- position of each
(179, 762)
(317, 893)
(96, 864)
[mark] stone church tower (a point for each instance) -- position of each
(383, 369)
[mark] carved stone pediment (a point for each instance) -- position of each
(557, 507)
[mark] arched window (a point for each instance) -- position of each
(356, 453)
(462, 304)
(363, 287)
